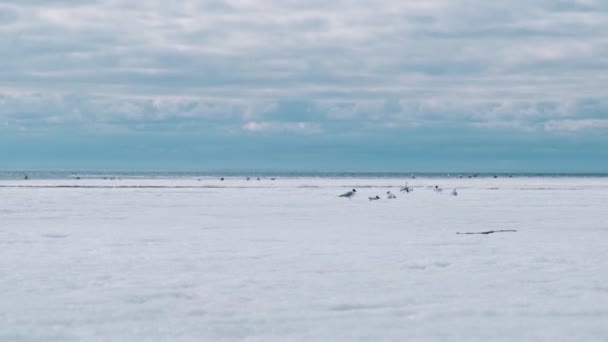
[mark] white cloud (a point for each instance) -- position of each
(273, 126)
(576, 125)
(484, 64)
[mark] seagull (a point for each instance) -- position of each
(406, 188)
(349, 194)
(437, 189)
(454, 192)
(390, 195)
(374, 198)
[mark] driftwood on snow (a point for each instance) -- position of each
(489, 232)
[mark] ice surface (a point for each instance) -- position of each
(287, 260)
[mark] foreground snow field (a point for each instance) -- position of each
(287, 260)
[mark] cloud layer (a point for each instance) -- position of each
(228, 67)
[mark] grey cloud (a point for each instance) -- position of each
(577, 6)
(405, 62)
(8, 16)
(35, 111)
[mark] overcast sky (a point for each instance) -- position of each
(359, 85)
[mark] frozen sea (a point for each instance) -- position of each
(199, 259)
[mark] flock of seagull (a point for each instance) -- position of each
(390, 195)
(349, 194)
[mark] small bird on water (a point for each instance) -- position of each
(390, 195)
(349, 194)
(374, 198)
(454, 192)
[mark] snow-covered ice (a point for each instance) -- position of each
(287, 260)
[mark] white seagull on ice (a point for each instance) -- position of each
(349, 194)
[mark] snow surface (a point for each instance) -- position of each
(287, 260)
